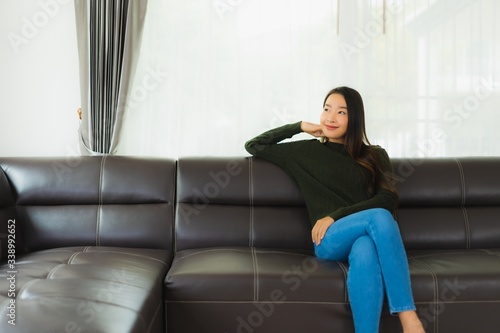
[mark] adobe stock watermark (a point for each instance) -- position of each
(150, 81)
(455, 116)
(219, 180)
(280, 117)
(64, 169)
(449, 294)
(292, 279)
(11, 276)
(223, 6)
(372, 29)
(88, 309)
(459, 112)
(201, 197)
(32, 25)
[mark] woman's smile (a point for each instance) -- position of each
(331, 128)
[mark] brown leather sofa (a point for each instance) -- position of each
(121, 244)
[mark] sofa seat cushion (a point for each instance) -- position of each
(257, 274)
(238, 274)
(456, 288)
(467, 276)
(259, 286)
(94, 289)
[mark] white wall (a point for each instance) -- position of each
(39, 84)
(228, 70)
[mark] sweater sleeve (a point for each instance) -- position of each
(266, 144)
(382, 198)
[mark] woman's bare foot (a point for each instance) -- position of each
(410, 322)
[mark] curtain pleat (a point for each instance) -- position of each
(109, 35)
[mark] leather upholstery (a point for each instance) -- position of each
(244, 250)
(87, 289)
(449, 203)
(99, 201)
(229, 202)
(93, 243)
(123, 244)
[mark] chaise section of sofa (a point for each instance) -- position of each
(87, 242)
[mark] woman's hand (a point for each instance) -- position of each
(312, 129)
(320, 228)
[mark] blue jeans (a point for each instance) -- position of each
(378, 266)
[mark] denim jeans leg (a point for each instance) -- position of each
(393, 260)
(365, 285)
(381, 228)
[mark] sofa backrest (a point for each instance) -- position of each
(444, 203)
(451, 203)
(93, 200)
(241, 201)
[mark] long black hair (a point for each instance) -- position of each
(356, 141)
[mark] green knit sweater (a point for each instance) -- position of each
(331, 182)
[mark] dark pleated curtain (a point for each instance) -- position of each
(109, 37)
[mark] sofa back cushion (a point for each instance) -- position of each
(444, 203)
(93, 200)
(449, 202)
(241, 201)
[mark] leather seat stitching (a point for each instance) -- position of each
(250, 302)
(73, 257)
(132, 254)
(462, 203)
(153, 319)
(250, 189)
(255, 276)
(344, 270)
(98, 218)
(283, 252)
(444, 253)
(53, 270)
(487, 251)
(211, 250)
(436, 292)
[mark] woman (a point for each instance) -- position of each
(347, 188)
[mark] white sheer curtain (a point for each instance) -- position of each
(214, 73)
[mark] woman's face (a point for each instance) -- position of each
(334, 118)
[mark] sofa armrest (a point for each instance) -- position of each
(7, 213)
